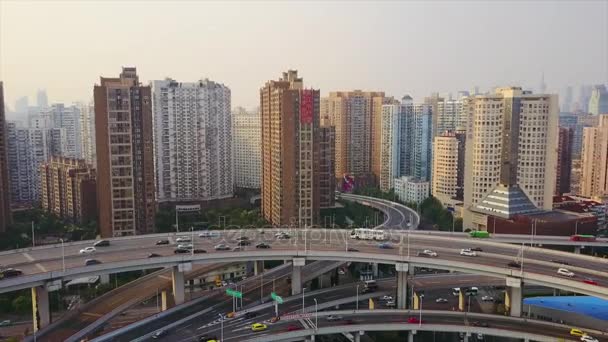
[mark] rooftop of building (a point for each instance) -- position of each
(584, 305)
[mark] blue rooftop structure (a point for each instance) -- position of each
(584, 305)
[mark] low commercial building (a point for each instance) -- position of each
(583, 205)
(569, 310)
(411, 189)
(554, 222)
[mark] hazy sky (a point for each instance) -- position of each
(396, 46)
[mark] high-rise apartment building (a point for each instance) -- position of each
(598, 102)
(577, 122)
(247, 148)
(405, 142)
(290, 151)
(5, 204)
(28, 148)
(87, 129)
(327, 167)
(510, 162)
(68, 189)
(125, 155)
(193, 139)
(594, 160)
(564, 161)
(68, 118)
(21, 105)
(448, 166)
(355, 115)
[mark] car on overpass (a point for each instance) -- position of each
(9, 273)
(468, 252)
(102, 243)
(183, 239)
(162, 242)
(565, 272)
(258, 327)
(88, 250)
(427, 253)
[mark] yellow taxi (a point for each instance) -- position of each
(258, 327)
(577, 332)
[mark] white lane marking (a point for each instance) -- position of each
(28, 257)
(40, 267)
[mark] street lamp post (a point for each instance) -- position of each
(176, 220)
(357, 299)
(222, 327)
(303, 297)
(420, 319)
(62, 254)
(316, 313)
(33, 237)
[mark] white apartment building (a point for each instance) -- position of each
(67, 118)
(509, 171)
(28, 148)
(87, 129)
(411, 189)
(445, 168)
(390, 143)
(247, 148)
(192, 140)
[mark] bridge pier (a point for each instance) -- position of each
(577, 249)
(375, 270)
(513, 300)
(402, 272)
(461, 301)
(177, 278)
(166, 302)
(40, 307)
(258, 267)
(410, 335)
(357, 336)
(296, 275)
(104, 279)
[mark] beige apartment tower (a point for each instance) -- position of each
(511, 154)
(594, 160)
(448, 167)
(356, 116)
(5, 193)
(290, 151)
(125, 165)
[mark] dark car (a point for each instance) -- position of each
(162, 242)
(153, 255)
(560, 262)
(90, 262)
(242, 238)
(181, 251)
(350, 249)
(159, 334)
(101, 243)
(476, 249)
(514, 264)
(262, 245)
(479, 324)
(199, 251)
(10, 272)
(251, 315)
(243, 243)
(367, 290)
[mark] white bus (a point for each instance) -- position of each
(367, 234)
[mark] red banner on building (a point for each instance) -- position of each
(306, 106)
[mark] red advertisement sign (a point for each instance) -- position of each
(306, 106)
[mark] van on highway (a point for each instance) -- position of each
(479, 234)
(371, 284)
(456, 291)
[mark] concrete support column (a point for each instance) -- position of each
(416, 301)
(357, 337)
(296, 275)
(258, 267)
(166, 302)
(177, 278)
(402, 272)
(104, 278)
(40, 307)
(461, 301)
(577, 249)
(375, 270)
(410, 336)
(513, 300)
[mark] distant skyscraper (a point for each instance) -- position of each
(193, 139)
(566, 105)
(5, 205)
(290, 151)
(327, 167)
(247, 148)
(584, 94)
(42, 99)
(68, 189)
(21, 105)
(354, 115)
(435, 101)
(598, 101)
(564, 161)
(28, 148)
(67, 118)
(87, 132)
(542, 87)
(125, 155)
(594, 161)
(511, 157)
(577, 122)
(448, 166)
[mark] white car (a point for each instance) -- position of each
(487, 298)
(183, 239)
(565, 272)
(467, 252)
(209, 233)
(587, 338)
(387, 297)
(479, 337)
(441, 300)
(429, 252)
(222, 247)
(390, 303)
(185, 246)
(341, 272)
(88, 250)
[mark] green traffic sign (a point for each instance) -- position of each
(234, 293)
(276, 297)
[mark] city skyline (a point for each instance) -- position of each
(218, 49)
